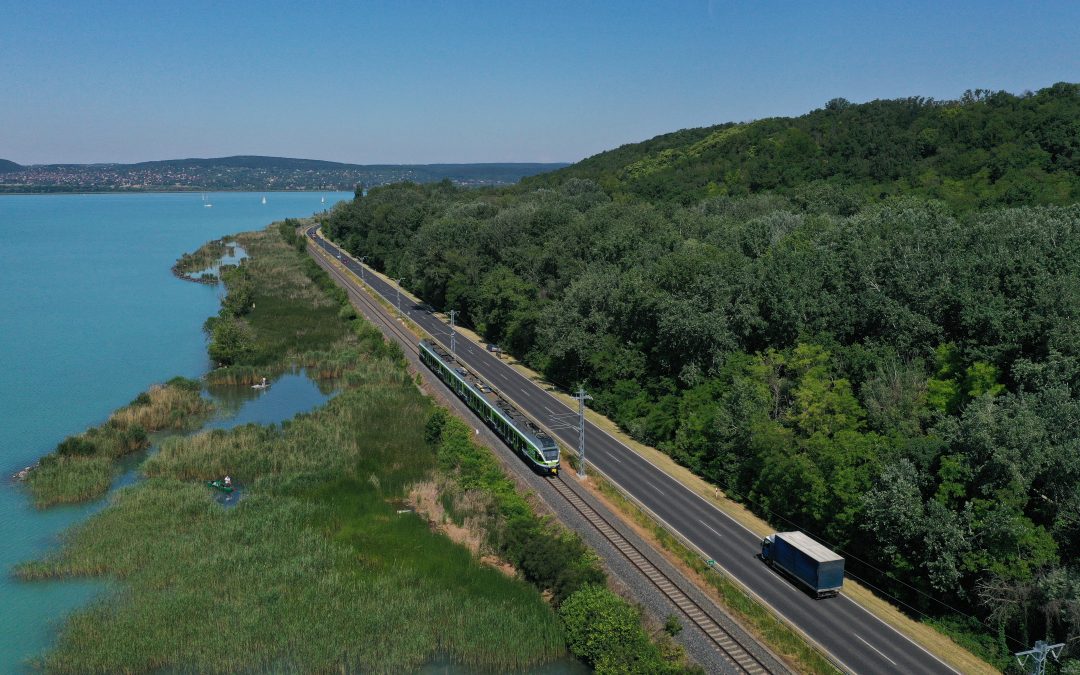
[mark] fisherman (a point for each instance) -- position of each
(228, 481)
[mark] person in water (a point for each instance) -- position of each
(228, 481)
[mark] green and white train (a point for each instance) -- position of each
(518, 431)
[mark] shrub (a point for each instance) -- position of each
(76, 446)
(605, 631)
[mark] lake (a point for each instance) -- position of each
(91, 315)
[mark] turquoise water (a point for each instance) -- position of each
(90, 315)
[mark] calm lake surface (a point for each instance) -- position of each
(90, 315)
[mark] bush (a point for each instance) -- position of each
(551, 559)
(185, 383)
(605, 631)
(76, 446)
(672, 626)
(141, 400)
(231, 340)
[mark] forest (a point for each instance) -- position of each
(794, 311)
(987, 148)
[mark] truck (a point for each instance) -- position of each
(806, 561)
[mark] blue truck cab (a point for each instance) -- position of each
(806, 561)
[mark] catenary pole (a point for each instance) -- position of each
(397, 289)
(1038, 656)
(453, 333)
(581, 397)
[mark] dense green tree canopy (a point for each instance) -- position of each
(781, 308)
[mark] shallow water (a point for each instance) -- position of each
(286, 396)
(91, 315)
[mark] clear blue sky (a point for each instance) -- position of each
(420, 82)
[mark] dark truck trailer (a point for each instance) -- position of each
(806, 561)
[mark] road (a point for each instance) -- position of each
(856, 639)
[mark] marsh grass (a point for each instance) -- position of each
(201, 259)
(69, 480)
(174, 405)
(313, 570)
(83, 466)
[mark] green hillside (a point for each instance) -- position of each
(7, 166)
(892, 365)
(984, 149)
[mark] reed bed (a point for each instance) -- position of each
(69, 480)
(174, 405)
(82, 467)
(202, 258)
(314, 570)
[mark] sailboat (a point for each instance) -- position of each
(206, 203)
(264, 199)
(323, 200)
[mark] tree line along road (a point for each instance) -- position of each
(856, 639)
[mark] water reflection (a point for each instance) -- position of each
(287, 396)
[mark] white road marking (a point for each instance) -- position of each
(874, 648)
(657, 489)
(709, 528)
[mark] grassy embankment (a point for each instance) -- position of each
(316, 568)
(83, 466)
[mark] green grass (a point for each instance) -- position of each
(69, 480)
(82, 467)
(202, 258)
(314, 570)
(281, 326)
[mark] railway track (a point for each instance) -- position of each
(737, 656)
(734, 653)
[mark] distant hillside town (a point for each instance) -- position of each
(248, 173)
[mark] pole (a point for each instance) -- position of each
(362, 259)
(581, 396)
(397, 288)
(453, 334)
(1039, 654)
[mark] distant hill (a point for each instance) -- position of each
(7, 166)
(250, 172)
(985, 148)
(243, 162)
(510, 172)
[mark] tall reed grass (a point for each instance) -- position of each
(82, 467)
(314, 570)
(202, 258)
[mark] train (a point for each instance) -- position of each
(519, 432)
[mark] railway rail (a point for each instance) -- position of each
(734, 653)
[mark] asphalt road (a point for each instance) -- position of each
(857, 640)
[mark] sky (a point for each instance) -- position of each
(503, 81)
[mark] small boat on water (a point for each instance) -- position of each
(263, 385)
(220, 486)
(264, 199)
